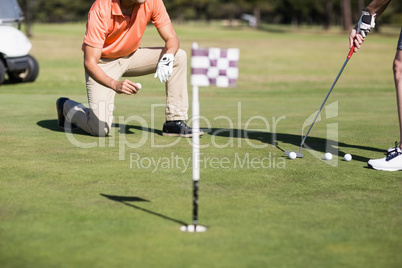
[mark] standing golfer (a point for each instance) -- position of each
(393, 160)
(112, 50)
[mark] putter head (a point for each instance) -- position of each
(298, 155)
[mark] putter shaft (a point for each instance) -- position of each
(326, 97)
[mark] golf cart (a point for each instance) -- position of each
(15, 60)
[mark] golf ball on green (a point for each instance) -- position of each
(139, 85)
(292, 155)
(328, 156)
(347, 157)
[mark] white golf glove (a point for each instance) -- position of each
(366, 22)
(165, 68)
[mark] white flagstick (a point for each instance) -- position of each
(196, 161)
(196, 154)
(212, 66)
(196, 164)
(196, 135)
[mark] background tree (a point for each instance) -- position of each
(346, 13)
(328, 17)
(26, 9)
(297, 12)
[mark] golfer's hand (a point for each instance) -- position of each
(361, 30)
(355, 39)
(165, 68)
(366, 23)
(126, 87)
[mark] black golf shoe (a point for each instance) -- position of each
(178, 129)
(60, 115)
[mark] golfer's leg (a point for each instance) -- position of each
(101, 104)
(397, 68)
(176, 89)
(97, 119)
(145, 60)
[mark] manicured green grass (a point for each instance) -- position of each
(109, 205)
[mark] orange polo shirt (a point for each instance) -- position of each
(118, 35)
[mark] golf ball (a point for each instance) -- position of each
(347, 157)
(139, 85)
(328, 156)
(292, 155)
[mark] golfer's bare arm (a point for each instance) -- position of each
(168, 34)
(375, 7)
(92, 56)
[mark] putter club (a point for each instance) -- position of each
(299, 154)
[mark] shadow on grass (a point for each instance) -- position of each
(125, 199)
(128, 129)
(312, 143)
(52, 124)
(276, 139)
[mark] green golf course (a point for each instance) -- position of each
(73, 200)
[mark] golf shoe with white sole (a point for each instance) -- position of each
(392, 162)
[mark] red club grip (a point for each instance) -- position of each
(352, 50)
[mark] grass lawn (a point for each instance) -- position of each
(72, 200)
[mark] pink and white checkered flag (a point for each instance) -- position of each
(214, 66)
(209, 66)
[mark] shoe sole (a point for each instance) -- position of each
(179, 135)
(61, 116)
(384, 169)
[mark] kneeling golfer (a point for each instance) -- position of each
(112, 50)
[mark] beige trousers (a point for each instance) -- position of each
(97, 119)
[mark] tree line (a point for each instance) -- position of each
(298, 12)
